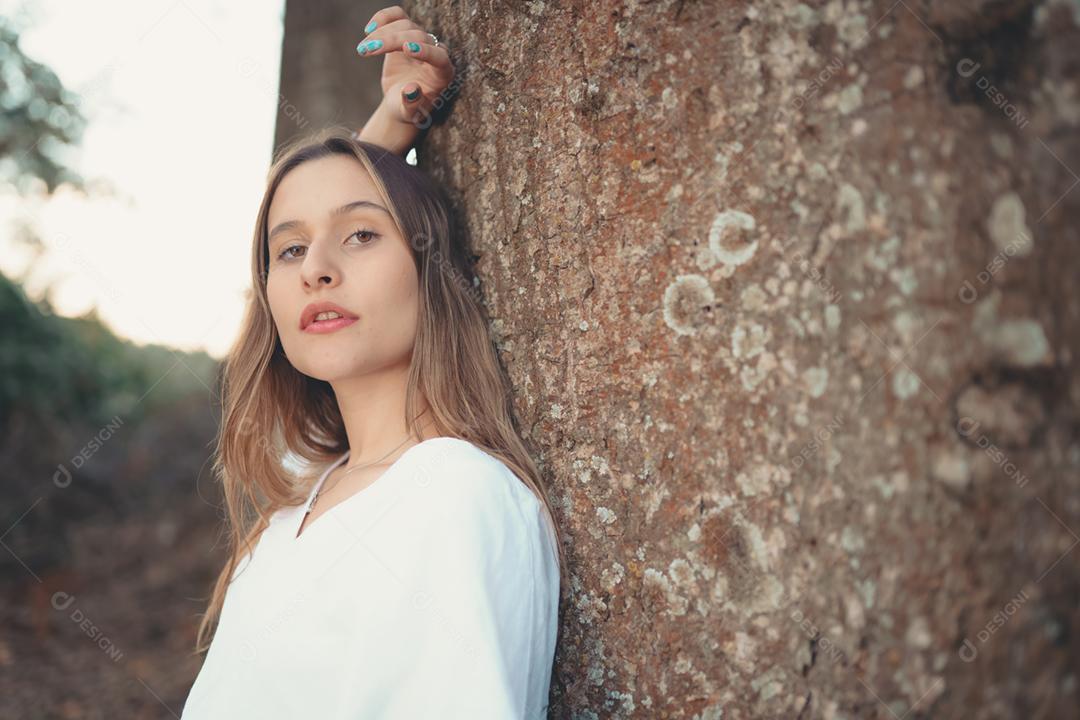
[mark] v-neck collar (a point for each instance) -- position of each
(326, 473)
(301, 511)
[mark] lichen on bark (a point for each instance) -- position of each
(787, 294)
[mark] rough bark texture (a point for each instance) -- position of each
(788, 295)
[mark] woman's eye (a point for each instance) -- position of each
(283, 255)
(371, 234)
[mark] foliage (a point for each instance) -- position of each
(60, 370)
(39, 118)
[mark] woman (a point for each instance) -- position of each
(416, 571)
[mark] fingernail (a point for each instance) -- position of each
(370, 26)
(374, 44)
(361, 48)
(413, 47)
(412, 95)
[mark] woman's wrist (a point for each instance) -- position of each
(386, 130)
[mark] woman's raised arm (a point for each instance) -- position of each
(415, 71)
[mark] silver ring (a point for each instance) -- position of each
(435, 39)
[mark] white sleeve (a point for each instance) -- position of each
(480, 596)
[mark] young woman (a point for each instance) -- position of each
(415, 570)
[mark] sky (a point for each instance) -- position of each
(181, 98)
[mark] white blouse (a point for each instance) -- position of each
(433, 592)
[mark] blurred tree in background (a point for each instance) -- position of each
(103, 444)
(39, 118)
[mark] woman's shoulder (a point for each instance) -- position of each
(460, 474)
(472, 508)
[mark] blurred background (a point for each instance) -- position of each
(134, 141)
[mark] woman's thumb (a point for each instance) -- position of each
(411, 93)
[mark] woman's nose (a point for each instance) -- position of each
(318, 268)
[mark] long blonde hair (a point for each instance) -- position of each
(270, 409)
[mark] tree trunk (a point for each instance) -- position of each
(323, 80)
(788, 296)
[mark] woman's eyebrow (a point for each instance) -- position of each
(347, 207)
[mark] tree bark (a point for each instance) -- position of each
(787, 293)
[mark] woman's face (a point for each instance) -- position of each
(331, 240)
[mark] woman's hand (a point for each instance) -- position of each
(415, 72)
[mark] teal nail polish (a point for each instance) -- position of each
(374, 44)
(414, 47)
(361, 48)
(412, 95)
(370, 26)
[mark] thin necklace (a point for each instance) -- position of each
(320, 491)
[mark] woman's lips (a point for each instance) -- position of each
(329, 326)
